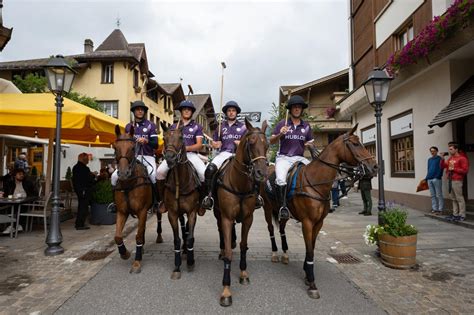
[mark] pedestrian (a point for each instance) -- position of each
(293, 134)
(457, 167)
(335, 194)
(146, 138)
(22, 163)
(434, 179)
(83, 181)
(365, 187)
(192, 135)
(9, 176)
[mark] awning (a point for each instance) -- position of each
(462, 105)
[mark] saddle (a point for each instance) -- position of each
(290, 179)
(171, 184)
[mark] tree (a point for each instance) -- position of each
(31, 83)
(275, 116)
(84, 100)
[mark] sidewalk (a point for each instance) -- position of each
(442, 283)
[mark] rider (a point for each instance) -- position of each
(232, 131)
(293, 134)
(145, 135)
(192, 134)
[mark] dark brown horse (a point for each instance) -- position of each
(181, 196)
(132, 194)
(236, 197)
(310, 203)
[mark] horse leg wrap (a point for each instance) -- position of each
(122, 249)
(138, 252)
(309, 269)
(234, 234)
(221, 240)
(177, 252)
(226, 280)
(158, 226)
(274, 244)
(243, 259)
(284, 244)
(190, 247)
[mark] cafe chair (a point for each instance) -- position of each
(34, 210)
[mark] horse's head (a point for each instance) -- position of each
(124, 147)
(351, 151)
(255, 146)
(174, 147)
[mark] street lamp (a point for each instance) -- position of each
(60, 76)
(376, 88)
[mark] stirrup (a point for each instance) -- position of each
(111, 208)
(208, 203)
(283, 213)
(259, 203)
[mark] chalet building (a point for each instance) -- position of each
(5, 32)
(322, 95)
(430, 102)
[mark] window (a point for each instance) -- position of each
(405, 36)
(152, 118)
(108, 73)
(109, 108)
(135, 79)
(402, 148)
(368, 139)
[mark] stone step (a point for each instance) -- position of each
(468, 223)
(470, 207)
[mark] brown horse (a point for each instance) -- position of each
(181, 196)
(132, 194)
(236, 197)
(310, 203)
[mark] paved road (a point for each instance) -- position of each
(274, 287)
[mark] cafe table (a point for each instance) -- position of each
(13, 204)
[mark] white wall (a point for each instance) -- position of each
(440, 6)
(393, 17)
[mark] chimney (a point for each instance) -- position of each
(88, 46)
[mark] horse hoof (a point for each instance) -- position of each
(159, 239)
(275, 259)
(244, 281)
(136, 269)
(176, 275)
(314, 294)
(226, 301)
(191, 267)
(126, 256)
(285, 259)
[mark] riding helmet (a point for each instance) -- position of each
(296, 100)
(231, 104)
(137, 104)
(187, 104)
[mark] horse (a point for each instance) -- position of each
(132, 194)
(236, 194)
(181, 196)
(310, 201)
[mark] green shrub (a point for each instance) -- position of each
(103, 192)
(394, 224)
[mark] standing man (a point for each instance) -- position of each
(192, 135)
(293, 135)
(365, 186)
(457, 167)
(435, 183)
(83, 181)
(147, 139)
(232, 131)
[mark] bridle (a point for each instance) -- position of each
(178, 153)
(131, 160)
(250, 166)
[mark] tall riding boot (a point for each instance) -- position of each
(209, 174)
(161, 196)
(154, 192)
(283, 213)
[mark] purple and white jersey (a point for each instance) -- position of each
(191, 131)
(229, 134)
(292, 144)
(143, 129)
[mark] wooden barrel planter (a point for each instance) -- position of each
(398, 252)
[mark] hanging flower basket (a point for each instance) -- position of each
(330, 112)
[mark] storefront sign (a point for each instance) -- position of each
(401, 125)
(368, 135)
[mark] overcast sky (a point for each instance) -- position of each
(265, 44)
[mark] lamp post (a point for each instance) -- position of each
(60, 76)
(376, 88)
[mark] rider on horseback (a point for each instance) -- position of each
(293, 134)
(227, 141)
(192, 134)
(145, 135)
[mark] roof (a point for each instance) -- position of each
(203, 103)
(462, 105)
(170, 88)
(115, 41)
(322, 80)
(176, 92)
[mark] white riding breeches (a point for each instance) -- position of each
(192, 157)
(283, 164)
(220, 158)
(148, 161)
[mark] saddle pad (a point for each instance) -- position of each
(291, 178)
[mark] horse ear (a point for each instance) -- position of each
(248, 124)
(163, 126)
(264, 126)
(132, 131)
(354, 129)
(117, 130)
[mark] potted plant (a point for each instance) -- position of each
(396, 239)
(102, 196)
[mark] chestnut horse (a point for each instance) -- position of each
(132, 194)
(181, 196)
(310, 202)
(236, 197)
